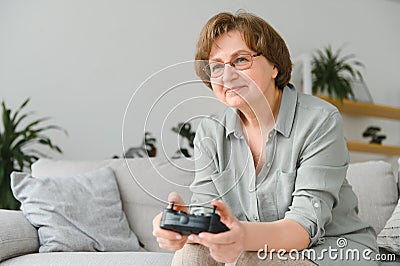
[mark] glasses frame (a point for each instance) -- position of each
(252, 56)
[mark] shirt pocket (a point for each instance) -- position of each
(226, 185)
(284, 192)
(224, 182)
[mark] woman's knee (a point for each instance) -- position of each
(194, 254)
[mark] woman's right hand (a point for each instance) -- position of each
(168, 239)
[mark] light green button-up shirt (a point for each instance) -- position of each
(303, 178)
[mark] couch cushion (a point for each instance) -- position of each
(80, 212)
(144, 184)
(375, 186)
(93, 259)
(17, 235)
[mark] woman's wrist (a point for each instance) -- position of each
(249, 242)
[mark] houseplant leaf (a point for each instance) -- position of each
(332, 73)
(15, 141)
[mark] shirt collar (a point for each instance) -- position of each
(283, 124)
(287, 110)
(233, 123)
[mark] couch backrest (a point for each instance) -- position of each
(144, 185)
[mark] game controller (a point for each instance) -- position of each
(188, 224)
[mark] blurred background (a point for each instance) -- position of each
(107, 71)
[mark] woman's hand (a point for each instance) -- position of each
(168, 239)
(224, 247)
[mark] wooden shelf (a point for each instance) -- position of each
(373, 148)
(367, 109)
(364, 109)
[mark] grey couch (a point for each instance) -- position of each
(144, 184)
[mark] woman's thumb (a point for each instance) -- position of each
(176, 199)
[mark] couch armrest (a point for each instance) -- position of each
(17, 235)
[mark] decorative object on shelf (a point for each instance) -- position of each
(372, 131)
(147, 149)
(184, 131)
(368, 110)
(333, 73)
(301, 76)
(18, 147)
(360, 91)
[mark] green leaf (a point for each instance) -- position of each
(15, 141)
(20, 108)
(332, 73)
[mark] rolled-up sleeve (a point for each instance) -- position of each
(320, 175)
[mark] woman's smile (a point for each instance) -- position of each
(233, 90)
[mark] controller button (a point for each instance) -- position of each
(184, 219)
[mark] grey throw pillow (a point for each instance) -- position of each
(376, 189)
(77, 213)
(389, 237)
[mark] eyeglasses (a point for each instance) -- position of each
(215, 69)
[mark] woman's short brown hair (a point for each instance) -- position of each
(258, 36)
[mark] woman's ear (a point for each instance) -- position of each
(275, 72)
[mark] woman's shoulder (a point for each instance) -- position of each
(314, 105)
(217, 123)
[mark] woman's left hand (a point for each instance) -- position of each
(224, 247)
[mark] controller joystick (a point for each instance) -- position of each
(188, 224)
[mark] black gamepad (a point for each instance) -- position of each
(188, 224)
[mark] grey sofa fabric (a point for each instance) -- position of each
(81, 212)
(92, 259)
(375, 185)
(17, 235)
(144, 185)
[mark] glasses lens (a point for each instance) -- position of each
(242, 62)
(215, 69)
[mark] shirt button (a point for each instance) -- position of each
(268, 164)
(255, 218)
(316, 205)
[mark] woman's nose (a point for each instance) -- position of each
(230, 73)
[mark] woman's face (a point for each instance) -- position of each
(241, 88)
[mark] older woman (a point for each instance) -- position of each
(274, 163)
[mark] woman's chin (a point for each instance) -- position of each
(234, 100)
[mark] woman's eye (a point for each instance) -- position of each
(240, 60)
(216, 67)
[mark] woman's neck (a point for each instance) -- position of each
(264, 112)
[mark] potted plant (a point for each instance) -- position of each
(184, 130)
(15, 141)
(332, 74)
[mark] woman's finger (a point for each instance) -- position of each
(226, 215)
(179, 204)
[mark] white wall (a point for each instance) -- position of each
(81, 61)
